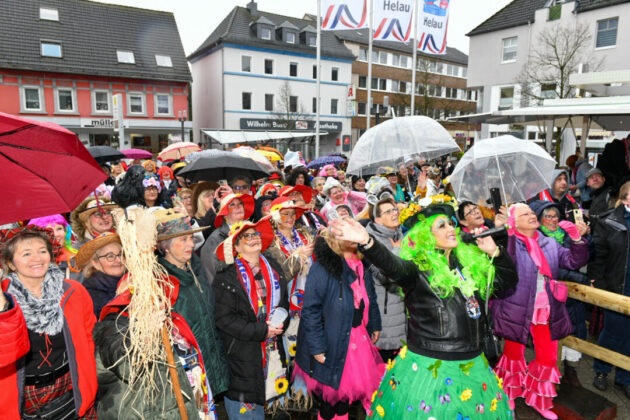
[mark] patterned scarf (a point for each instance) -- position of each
(42, 315)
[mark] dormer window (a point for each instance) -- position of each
(125, 57)
(163, 60)
(265, 33)
(308, 36)
(46, 13)
(290, 37)
(311, 40)
(51, 49)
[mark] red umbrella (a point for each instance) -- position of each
(45, 169)
(137, 153)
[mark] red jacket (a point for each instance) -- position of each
(77, 330)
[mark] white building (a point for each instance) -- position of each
(257, 67)
(500, 48)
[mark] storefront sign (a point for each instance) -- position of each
(306, 125)
(97, 122)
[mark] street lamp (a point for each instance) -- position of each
(182, 117)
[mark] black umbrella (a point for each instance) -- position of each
(215, 165)
(104, 154)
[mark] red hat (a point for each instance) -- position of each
(285, 203)
(267, 188)
(226, 251)
(246, 199)
(307, 192)
(274, 177)
(7, 234)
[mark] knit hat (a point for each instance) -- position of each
(87, 251)
(248, 204)
(330, 184)
(171, 224)
(594, 171)
(226, 251)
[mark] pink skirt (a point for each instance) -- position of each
(362, 373)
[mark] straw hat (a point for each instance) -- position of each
(172, 224)
(307, 192)
(87, 251)
(285, 203)
(226, 251)
(248, 203)
(93, 206)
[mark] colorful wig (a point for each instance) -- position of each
(323, 172)
(163, 169)
(419, 246)
(52, 220)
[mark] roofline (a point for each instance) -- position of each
(480, 32)
(121, 6)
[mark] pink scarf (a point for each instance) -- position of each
(534, 250)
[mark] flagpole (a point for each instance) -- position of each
(369, 78)
(318, 65)
(415, 57)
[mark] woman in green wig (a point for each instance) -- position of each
(441, 373)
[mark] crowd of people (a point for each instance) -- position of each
(310, 290)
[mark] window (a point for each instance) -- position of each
(65, 100)
(265, 33)
(311, 40)
(464, 71)
(439, 68)
(163, 104)
(432, 65)
(293, 67)
(268, 66)
(363, 54)
(509, 49)
(362, 81)
(374, 56)
(404, 62)
(136, 103)
(32, 101)
(247, 100)
(383, 57)
(101, 101)
(607, 33)
(374, 83)
(314, 105)
(246, 63)
(268, 102)
(507, 98)
(382, 84)
(548, 90)
(403, 87)
(315, 71)
(334, 74)
(293, 101)
(361, 108)
(395, 85)
(471, 95)
(291, 37)
(555, 11)
(48, 14)
(333, 106)
(51, 49)
(395, 60)
(163, 60)
(125, 57)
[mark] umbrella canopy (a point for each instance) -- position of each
(178, 150)
(104, 154)
(255, 155)
(325, 160)
(45, 169)
(271, 156)
(137, 154)
(214, 165)
(519, 168)
(394, 140)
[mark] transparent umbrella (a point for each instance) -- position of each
(397, 139)
(519, 168)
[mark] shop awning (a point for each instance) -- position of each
(246, 136)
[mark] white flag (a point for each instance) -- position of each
(393, 19)
(432, 25)
(344, 14)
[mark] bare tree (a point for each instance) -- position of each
(558, 52)
(289, 110)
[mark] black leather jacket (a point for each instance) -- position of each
(609, 268)
(439, 328)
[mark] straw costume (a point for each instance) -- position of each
(441, 373)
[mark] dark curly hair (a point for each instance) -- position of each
(295, 173)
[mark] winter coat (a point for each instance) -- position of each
(439, 327)
(209, 261)
(327, 315)
(513, 309)
(355, 199)
(391, 304)
(102, 289)
(602, 200)
(196, 304)
(610, 264)
(116, 400)
(77, 331)
(578, 177)
(242, 333)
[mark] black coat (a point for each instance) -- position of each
(242, 334)
(611, 238)
(439, 328)
(102, 289)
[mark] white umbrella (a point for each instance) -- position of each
(397, 139)
(519, 168)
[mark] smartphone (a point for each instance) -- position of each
(495, 199)
(578, 216)
(223, 182)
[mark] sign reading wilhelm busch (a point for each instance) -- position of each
(267, 124)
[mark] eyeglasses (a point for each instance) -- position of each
(111, 257)
(249, 237)
(551, 216)
(471, 211)
(240, 187)
(393, 210)
(235, 204)
(186, 198)
(102, 215)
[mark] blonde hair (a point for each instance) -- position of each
(201, 207)
(336, 245)
(623, 193)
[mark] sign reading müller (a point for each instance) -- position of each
(266, 124)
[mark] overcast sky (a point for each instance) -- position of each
(196, 19)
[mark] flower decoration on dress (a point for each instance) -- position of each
(434, 368)
(393, 383)
(292, 349)
(445, 399)
(500, 382)
(282, 385)
(480, 408)
(448, 381)
(374, 395)
(466, 394)
(414, 367)
(380, 410)
(460, 416)
(484, 386)
(403, 352)
(425, 407)
(391, 364)
(493, 405)
(465, 367)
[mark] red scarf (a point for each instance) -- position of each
(535, 252)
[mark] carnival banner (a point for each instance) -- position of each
(393, 20)
(432, 26)
(344, 14)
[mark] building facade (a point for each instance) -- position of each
(257, 71)
(501, 46)
(441, 86)
(65, 62)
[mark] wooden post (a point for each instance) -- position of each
(172, 368)
(599, 297)
(597, 352)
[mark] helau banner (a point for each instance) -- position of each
(344, 14)
(393, 20)
(432, 26)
